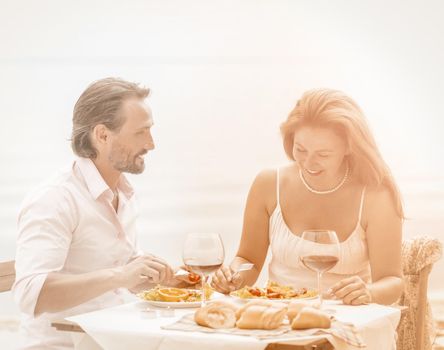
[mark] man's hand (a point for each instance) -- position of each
(143, 269)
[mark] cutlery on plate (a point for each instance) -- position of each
(181, 272)
(242, 267)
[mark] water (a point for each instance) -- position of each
(166, 217)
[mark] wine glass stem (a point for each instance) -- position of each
(319, 289)
(202, 278)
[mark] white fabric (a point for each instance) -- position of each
(129, 327)
(69, 225)
(286, 268)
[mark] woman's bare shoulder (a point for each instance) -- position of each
(379, 201)
(263, 189)
(265, 179)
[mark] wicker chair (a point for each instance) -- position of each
(416, 330)
(7, 275)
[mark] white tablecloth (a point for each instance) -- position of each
(129, 327)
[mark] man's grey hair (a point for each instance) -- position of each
(100, 103)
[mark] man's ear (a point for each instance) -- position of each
(100, 134)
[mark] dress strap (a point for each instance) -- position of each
(277, 188)
(361, 205)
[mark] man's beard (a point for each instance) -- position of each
(122, 160)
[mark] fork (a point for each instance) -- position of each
(242, 267)
(181, 272)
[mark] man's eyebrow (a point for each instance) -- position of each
(146, 126)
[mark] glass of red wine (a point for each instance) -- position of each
(203, 254)
(319, 252)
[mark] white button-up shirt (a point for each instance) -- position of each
(69, 225)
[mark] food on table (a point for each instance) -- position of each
(273, 290)
(294, 308)
(310, 317)
(193, 277)
(173, 294)
(216, 314)
(261, 314)
(169, 294)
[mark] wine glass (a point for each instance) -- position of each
(203, 254)
(319, 252)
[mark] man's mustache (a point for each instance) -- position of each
(141, 153)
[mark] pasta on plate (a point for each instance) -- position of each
(273, 290)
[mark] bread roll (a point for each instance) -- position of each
(251, 303)
(216, 314)
(261, 314)
(294, 308)
(310, 317)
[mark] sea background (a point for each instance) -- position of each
(223, 75)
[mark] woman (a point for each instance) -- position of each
(337, 180)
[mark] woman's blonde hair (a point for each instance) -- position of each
(100, 103)
(333, 109)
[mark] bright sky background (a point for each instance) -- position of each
(224, 75)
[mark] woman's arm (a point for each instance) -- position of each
(384, 237)
(254, 242)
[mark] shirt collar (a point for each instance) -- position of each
(95, 182)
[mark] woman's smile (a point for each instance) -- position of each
(314, 172)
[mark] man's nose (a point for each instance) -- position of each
(150, 143)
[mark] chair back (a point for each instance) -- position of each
(416, 329)
(7, 275)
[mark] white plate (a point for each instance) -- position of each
(235, 297)
(180, 304)
(173, 304)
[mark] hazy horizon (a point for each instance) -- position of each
(223, 75)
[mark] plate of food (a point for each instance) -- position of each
(274, 291)
(174, 297)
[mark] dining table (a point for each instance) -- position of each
(140, 325)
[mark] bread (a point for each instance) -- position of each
(216, 314)
(294, 308)
(310, 317)
(261, 314)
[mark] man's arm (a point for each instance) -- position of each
(63, 291)
(45, 225)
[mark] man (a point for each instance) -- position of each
(77, 249)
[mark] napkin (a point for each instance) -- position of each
(344, 331)
(186, 323)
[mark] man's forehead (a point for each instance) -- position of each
(138, 111)
(135, 103)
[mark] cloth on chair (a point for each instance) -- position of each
(417, 253)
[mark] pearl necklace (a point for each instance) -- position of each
(334, 189)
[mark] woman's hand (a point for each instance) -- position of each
(225, 280)
(352, 291)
